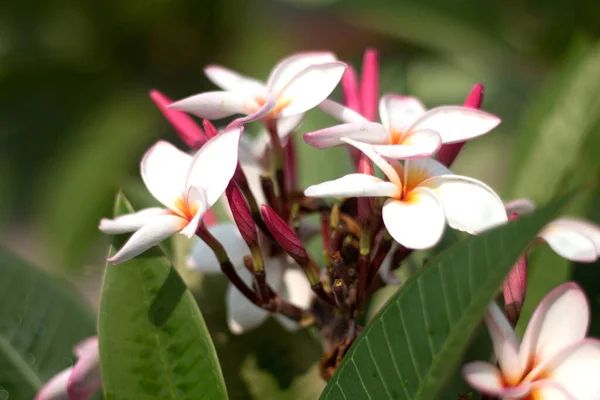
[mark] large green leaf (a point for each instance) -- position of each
(154, 343)
(414, 344)
(41, 319)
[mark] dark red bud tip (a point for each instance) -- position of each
(209, 128)
(475, 97)
(513, 216)
(284, 235)
(242, 214)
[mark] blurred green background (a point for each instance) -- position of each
(75, 116)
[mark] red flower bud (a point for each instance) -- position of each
(284, 235)
(242, 214)
(369, 88)
(515, 286)
(210, 129)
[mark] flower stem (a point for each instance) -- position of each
(363, 259)
(280, 175)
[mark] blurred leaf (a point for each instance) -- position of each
(154, 343)
(41, 319)
(429, 329)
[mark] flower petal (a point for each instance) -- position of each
(417, 223)
(288, 125)
(366, 132)
(569, 243)
(56, 387)
(399, 112)
(561, 319)
(549, 390)
(341, 113)
(216, 105)
(519, 206)
(214, 164)
(506, 344)
(197, 203)
(309, 88)
(487, 379)
(204, 260)
(85, 379)
(148, 236)
(230, 80)
(130, 222)
(389, 167)
(291, 66)
(385, 271)
(469, 205)
(296, 288)
(354, 185)
(164, 168)
(418, 144)
(456, 123)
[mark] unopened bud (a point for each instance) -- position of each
(210, 130)
(369, 88)
(514, 288)
(284, 235)
(242, 215)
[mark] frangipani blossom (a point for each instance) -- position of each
(79, 382)
(553, 361)
(187, 186)
(283, 276)
(406, 130)
(296, 84)
(422, 196)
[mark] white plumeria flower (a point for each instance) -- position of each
(423, 196)
(406, 130)
(284, 277)
(296, 84)
(571, 238)
(554, 361)
(79, 382)
(187, 186)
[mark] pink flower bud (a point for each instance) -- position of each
(242, 214)
(210, 130)
(350, 89)
(369, 88)
(284, 235)
(515, 286)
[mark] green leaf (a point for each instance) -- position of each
(41, 319)
(154, 343)
(410, 349)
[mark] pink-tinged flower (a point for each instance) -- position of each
(406, 130)
(554, 359)
(79, 382)
(282, 275)
(296, 84)
(423, 195)
(187, 186)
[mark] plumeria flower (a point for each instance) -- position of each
(571, 238)
(422, 196)
(406, 130)
(553, 361)
(286, 278)
(296, 84)
(187, 186)
(79, 382)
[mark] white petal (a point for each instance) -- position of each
(204, 260)
(399, 112)
(85, 379)
(456, 123)
(519, 206)
(560, 320)
(366, 132)
(242, 315)
(354, 185)
(469, 205)
(340, 112)
(148, 236)
(418, 144)
(214, 164)
(130, 222)
(424, 168)
(288, 125)
(506, 344)
(549, 390)
(56, 387)
(296, 288)
(417, 223)
(197, 205)
(309, 88)
(253, 174)
(592, 231)
(291, 66)
(389, 167)
(230, 80)
(164, 169)
(484, 377)
(385, 271)
(568, 243)
(216, 105)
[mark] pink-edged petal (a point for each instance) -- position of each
(230, 80)
(576, 369)
(164, 169)
(289, 67)
(397, 112)
(85, 379)
(309, 88)
(592, 231)
(487, 379)
(216, 105)
(151, 234)
(549, 390)
(187, 129)
(560, 320)
(389, 167)
(341, 113)
(519, 206)
(418, 222)
(130, 222)
(366, 132)
(56, 387)
(506, 344)
(418, 144)
(214, 164)
(354, 185)
(569, 243)
(469, 205)
(456, 123)
(203, 259)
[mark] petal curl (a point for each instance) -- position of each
(341, 113)
(289, 67)
(217, 105)
(519, 206)
(230, 80)
(365, 132)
